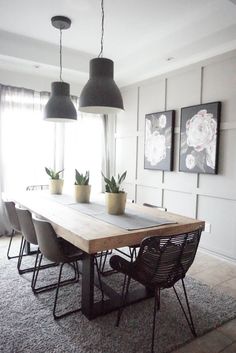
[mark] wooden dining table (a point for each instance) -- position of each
(93, 235)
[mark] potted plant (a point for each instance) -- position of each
(55, 183)
(115, 196)
(82, 187)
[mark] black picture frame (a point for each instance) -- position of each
(159, 140)
(199, 138)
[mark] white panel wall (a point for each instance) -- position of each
(208, 197)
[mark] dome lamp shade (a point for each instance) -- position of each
(60, 107)
(101, 95)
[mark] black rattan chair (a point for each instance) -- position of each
(161, 262)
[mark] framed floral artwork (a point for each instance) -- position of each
(199, 138)
(159, 135)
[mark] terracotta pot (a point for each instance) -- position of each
(115, 202)
(55, 186)
(82, 193)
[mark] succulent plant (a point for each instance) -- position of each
(81, 179)
(112, 185)
(53, 174)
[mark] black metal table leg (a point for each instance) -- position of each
(88, 285)
(113, 299)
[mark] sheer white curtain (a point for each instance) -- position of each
(27, 142)
(84, 150)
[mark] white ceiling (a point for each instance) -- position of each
(140, 35)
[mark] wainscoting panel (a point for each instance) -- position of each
(183, 90)
(220, 214)
(179, 202)
(151, 100)
(225, 181)
(130, 189)
(149, 195)
(128, 118)
(219, 82)
(125, 157)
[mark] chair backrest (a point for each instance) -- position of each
(47, 240)
(12, 216)
(162, 261)
(37, 187)
(154, 206)
(26, 225)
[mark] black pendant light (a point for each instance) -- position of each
(59, 107)
(101, 95)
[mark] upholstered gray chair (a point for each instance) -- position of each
(15, 225)
(59, 251)
(29, 236)
(28, 233)
(161, 262)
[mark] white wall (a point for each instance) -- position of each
(208, 197)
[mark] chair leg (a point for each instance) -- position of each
(188, 317)
(56, 317)
(38, 267)
(33, 283)
(156, 307)
(22, 246)
(9, 246)
(124, 294)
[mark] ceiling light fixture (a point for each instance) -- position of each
(101, 95)
(59, 107)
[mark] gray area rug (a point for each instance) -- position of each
(27, 325)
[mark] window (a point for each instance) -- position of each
(27, 141)
(84, 150)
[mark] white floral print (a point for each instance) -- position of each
(201, 136)
(155, 149)
(190, 161)
(200, 130)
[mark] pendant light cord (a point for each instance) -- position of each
(100, 55)
(61, 55)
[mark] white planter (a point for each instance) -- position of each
(115, 202)
(82, 193)
(55, 186)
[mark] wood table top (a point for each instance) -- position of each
(91, 234)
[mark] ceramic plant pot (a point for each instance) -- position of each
(82, 193)
(56, 186)
(115, 202)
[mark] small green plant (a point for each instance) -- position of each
(81, 179)
(112, 185)
(53, 174)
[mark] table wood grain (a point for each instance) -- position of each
(93, 235)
